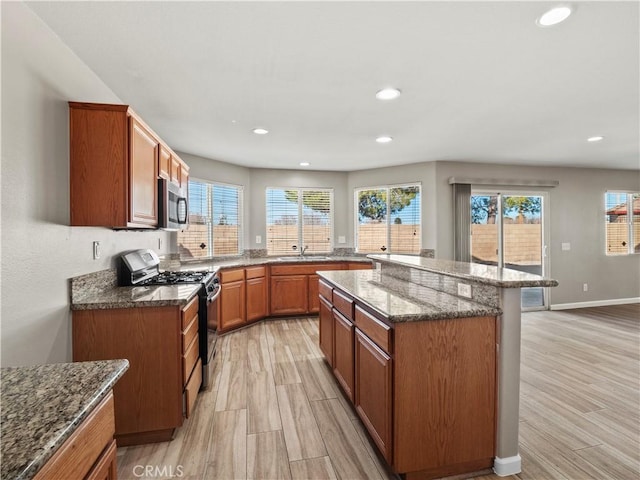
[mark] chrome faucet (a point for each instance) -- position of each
(304, 249)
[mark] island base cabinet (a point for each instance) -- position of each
(90, 452)
(373, 392)
(325, 321)
(343, 352)
(444, 396)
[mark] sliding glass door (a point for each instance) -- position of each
(507, 230)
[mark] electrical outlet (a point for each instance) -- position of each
(258, 239)
(96, 250)
(342, 239)
(566, 246)
(464, 290)
(585, 287)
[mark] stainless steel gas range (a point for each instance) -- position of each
(141, 267)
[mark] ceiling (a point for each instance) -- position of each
(480, 81)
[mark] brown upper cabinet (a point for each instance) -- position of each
(115, 161)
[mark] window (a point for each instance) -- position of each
(215, 221)
(300, 218)
(622, 220)
(388, 219)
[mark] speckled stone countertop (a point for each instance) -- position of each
(478, 273)
(400, 301)
(249, 262)
(42, 406)
(133, 297)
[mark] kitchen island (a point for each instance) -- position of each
(434, 376)
(57, 419)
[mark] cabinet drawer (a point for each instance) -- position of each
(343, 304)
(189, 311)
(189, 359)
(236, 275)
(255, 272)
(377, 331)
(189, 333)
(325, 290)
(80, 451)
(191, 389)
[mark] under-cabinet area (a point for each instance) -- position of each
(425, 390)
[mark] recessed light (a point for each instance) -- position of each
(596, 138)
(384, 139)
(388, 93)
(304, 164)
(260, 131)
(554, 16)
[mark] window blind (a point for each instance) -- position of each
(215, 221)
(299, 217)
(388, 219)
(622, 223)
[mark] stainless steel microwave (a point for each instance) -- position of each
(172, 206)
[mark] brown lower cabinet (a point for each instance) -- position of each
(252, 293)
(425, 390)
(373, 391)
(160, 387)
(90, 451)
(243, 297)
(343, 360)
(232, 300)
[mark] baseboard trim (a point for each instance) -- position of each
(503, 467)
(595, 303)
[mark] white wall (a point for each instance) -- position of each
(40, 252)
(576, 216)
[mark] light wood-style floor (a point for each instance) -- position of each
(275, 412)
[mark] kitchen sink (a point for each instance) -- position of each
(303, 258)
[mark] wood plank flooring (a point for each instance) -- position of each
(274, 410)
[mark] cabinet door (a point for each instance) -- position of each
(326, 330)
(232, 305)
(373, 392)
(256, 298)
(174, 174)
(343, 352)
(314, 299)
(184, 177)
(143, 174)
(107, 465)
(164, 163)
(289, 295)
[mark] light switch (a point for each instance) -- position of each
(566, 246)
(258, 239)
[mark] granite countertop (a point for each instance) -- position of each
(237, 262)
(476, 272)
(42, 406)
(132, 297)
(400, 301)
(100, 291)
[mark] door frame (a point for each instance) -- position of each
(544, 225)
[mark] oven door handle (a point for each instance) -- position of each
(213, 297)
